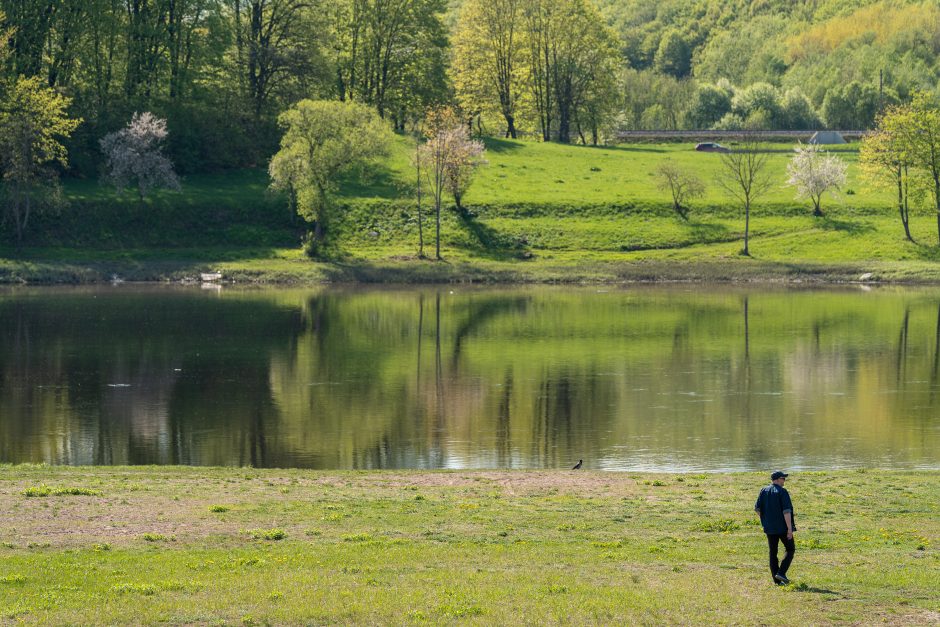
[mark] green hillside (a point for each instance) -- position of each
(815, 46)
(537, 211)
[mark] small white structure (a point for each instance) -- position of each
(827, 137)
(209, 277)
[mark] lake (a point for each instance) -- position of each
(664, 378)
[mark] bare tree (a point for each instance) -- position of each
(418, 195)
(744, 178)
(683, 186)
(135, 155)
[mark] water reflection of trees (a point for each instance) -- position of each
(112, 377)
(344, 378)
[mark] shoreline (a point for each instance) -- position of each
(296, 272)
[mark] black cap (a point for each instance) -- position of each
(778, 474)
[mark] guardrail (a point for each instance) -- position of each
(706, 134)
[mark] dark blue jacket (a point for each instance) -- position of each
(772, 502)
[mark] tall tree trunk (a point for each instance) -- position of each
(903, 206)
(319, 230)
(817, 211)
(437, 235)
(418, 189)
(936, 195)
(747, 228)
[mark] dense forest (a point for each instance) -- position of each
(220, 71)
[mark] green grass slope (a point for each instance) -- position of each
(536, 212)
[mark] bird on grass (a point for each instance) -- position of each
(578, 465)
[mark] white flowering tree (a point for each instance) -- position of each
(813, 172)
(135, 156)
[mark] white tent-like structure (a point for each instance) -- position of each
(827, 137)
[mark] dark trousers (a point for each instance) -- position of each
(789, 545)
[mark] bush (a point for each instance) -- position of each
(725, 525)
(44, 490)
(267, 534)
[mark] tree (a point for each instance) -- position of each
(813, 172)
(759, 105)
(416, 162)
(796, 111)
(488, 65)
(683, 186)
(33, 123)
(433, 157)
(464, 156)
(918, 129)
(852, 106)
(385, 49)
(272, 45)
(323, 140)
(674, 56)
(569, 53)
(135, 155)
(885, 162)
(744, 178)
(709, 104)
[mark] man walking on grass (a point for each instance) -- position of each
(776, 515)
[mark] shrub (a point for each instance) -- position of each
(155, 537)
(267, 534)
(724, 525)
(139, 588)
(44, 490)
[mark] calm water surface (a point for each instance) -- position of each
(681, 378)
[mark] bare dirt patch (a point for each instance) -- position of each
(175, 506)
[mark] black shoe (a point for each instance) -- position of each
(781, 579)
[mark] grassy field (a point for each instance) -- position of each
(152, 545)
(537, 212)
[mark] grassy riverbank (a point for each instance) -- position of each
(536, 213)
(247, 546)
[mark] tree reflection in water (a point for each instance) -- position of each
(527, 377)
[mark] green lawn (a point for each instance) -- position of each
(526, 172)
(245, 546)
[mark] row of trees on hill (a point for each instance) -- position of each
(35, 125)
(221, 71)
(550, 62)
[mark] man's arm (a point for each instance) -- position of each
(788, 514)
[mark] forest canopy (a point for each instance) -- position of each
(221, 71)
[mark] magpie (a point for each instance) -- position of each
(578, 465)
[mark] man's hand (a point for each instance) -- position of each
(789, 534)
